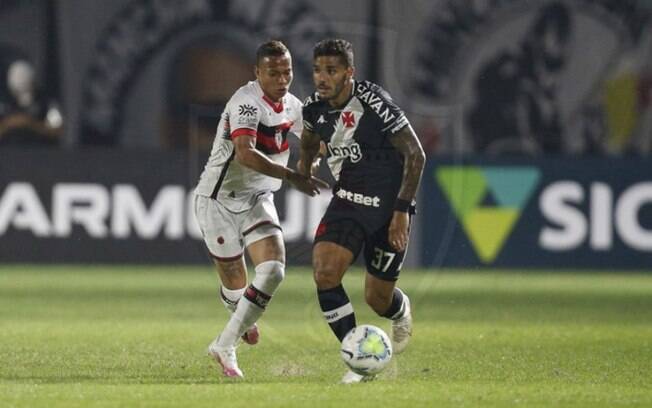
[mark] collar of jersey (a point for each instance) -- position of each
(277, 107)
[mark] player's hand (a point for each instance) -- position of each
(399, 230)
(307, 185)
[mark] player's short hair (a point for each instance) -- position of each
(335, 47)
(273, 48)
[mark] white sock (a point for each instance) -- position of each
(252, 304)
(230, 297)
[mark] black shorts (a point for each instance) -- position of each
(381, 260)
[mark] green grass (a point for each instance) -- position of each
(136, 336)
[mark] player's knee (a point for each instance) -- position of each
(326, 277)
(269, 276)
(273, 270)
(326, 272)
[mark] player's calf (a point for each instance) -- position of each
(231, 297)
(337, 309)
(400, 313)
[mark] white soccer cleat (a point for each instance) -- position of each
(251, 335)
(225, 357)
(351, 378)
(402, 328)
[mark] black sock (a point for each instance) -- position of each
(394, 311)
(337, 309)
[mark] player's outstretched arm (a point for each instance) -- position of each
(414, 159)
(247, 155)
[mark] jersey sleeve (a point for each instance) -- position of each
(297, 120)
(308, 113)
(392, 116)
(244, 116)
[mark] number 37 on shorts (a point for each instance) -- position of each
(384, 264)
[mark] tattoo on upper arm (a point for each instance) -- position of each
(407, 143)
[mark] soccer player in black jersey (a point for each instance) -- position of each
(377, 162)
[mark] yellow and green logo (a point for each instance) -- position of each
(487, 201)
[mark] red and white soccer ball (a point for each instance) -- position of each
(366, 350)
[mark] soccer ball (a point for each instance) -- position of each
(366, 349)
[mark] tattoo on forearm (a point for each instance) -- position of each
(407, 143)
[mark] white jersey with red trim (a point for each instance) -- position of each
(249, 112)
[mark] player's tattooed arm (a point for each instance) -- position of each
(311, 151)
(407, 143)
(414, 159)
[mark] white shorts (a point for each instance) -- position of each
(227, 234)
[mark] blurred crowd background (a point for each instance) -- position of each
(490, 76)
(536, 116)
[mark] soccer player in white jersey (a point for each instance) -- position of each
(234, 198)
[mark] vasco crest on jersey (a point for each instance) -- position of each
(348, 119)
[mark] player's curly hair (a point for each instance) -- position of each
(335, 47)
(273, 48)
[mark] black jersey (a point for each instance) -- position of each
(367, 168)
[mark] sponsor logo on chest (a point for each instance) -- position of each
(352, 151)
(358, 198)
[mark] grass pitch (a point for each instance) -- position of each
(136, 337)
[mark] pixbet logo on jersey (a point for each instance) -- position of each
(358, 198)
(352, 151)
(487, 226)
